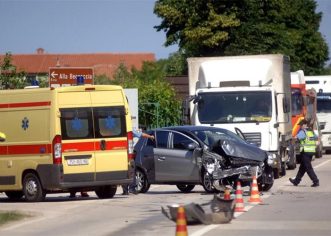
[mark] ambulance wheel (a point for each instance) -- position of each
(14, 195)
(106, 191)
(32, 189)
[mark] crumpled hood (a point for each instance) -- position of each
(242, 150)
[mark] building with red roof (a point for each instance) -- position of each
(38, 64)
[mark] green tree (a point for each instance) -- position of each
(102, 79)
(217, 28)
(156, 95)
(197, 26)
(9, 77)
(158, 105)
(174, 65)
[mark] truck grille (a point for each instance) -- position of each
(254, 138)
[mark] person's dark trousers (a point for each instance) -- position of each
(125, 188)
(133, 185)
(306, 166)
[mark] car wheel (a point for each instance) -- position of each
(142, 185)
(14, 195)
(32, 189)
(265, 187)
(207, 183)
(106, 191)
(185, 188)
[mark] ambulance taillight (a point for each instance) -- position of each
(130, 146)
(57, 149)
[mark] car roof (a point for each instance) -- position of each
(192, 128)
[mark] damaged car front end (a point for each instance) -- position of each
(228, 159)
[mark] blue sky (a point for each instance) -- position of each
(88, 26)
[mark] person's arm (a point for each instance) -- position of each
(301, 135)
(147, 136)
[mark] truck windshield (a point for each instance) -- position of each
(297, 102)
(324, 103)
(234, 107)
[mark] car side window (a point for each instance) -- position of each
(161, 139)
(180, 141)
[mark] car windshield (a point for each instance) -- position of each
(210, 137)
(234, 107)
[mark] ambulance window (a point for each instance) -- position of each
(109, 122)
(76, 123)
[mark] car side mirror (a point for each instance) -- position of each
(192, 146)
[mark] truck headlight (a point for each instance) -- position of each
(272, 159)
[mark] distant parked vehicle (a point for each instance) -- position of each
(186, 156)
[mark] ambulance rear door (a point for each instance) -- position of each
(111, 154)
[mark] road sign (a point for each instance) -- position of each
(67, 76)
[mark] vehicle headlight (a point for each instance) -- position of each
(228, 148)
(272, 159)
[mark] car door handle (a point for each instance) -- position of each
(161, 158)
(103, 144)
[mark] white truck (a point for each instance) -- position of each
(251, 94)
(322, 85)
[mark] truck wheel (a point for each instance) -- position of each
(14, 195)
(32, 189)
(319, 153)
(185, 188)
(142, 185)
(276, 173)
(283, 169)
(106, 191)
(292, 163)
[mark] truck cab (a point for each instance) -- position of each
(250, 93)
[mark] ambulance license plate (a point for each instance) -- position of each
(77, 162)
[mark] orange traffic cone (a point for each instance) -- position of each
(181, 228)
(227, 195)
(255, 195)
(239, 207)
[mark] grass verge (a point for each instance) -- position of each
(8, 216)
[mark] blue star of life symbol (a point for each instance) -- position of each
(110, 122)
(76, 124)
(25, 123)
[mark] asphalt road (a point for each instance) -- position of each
(286, 210)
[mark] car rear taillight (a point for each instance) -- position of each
(130, 146)
(57, 149)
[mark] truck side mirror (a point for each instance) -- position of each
(197, 99)
(286, 106)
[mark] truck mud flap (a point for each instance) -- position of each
(217, 211)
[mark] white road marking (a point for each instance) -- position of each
(247, 208)
(321, 164)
